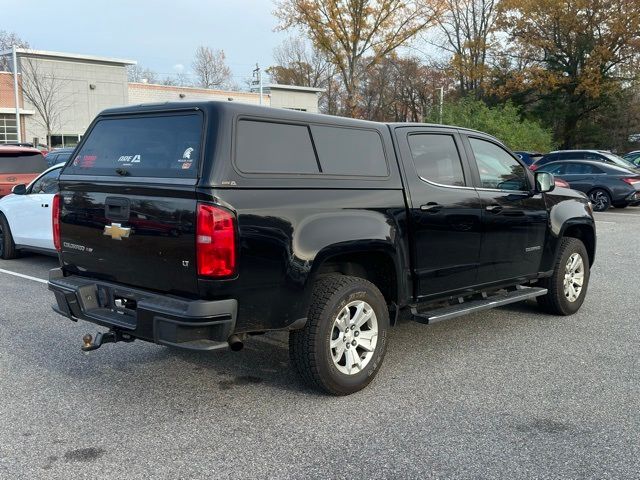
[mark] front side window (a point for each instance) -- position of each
(436, 158)
(556, 169)
(498, 169)
(47, 183)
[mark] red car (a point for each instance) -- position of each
(19, 165)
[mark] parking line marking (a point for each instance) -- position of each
(21, 275)
(602, 221)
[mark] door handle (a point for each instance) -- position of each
(431, 207)
(493, 208)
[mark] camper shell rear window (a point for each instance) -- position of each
(164, 146)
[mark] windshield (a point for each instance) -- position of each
(22, 162)
(145, 146)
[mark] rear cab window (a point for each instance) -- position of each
(160, 146)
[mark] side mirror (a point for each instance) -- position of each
(544, 182)
(19, 189)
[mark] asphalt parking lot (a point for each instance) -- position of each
(509, 393)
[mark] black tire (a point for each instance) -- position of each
(7, 246)
(556, 301)
(600, 199)
(309, 348)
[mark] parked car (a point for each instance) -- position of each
(25, 216)
(529, 157)
(19, 165)
(596, 155)
(605, 184)
(59, 155)
(325, 227)
(633, 157)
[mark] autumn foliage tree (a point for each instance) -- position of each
(574, 55)
(357, 34)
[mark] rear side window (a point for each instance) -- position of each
(436, 159)
(11, 162)
(349, 151)
(266, 147)
(146, 146)
(581, 169)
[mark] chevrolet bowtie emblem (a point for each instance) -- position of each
(117, 231)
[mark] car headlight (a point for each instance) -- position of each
(590, 207)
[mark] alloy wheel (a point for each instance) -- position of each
(600, 200)
(354, 337)
(573, 277)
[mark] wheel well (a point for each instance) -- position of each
(377, 267)
(585, 234)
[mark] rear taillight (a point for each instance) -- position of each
(561, 183)
(215, 241)
(631, 181)
(533, 167)
(55, 221)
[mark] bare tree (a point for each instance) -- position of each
(468, 26)
(7, 40)
(298, 63)
(44, 90)
(210, 68)
(138, 74)
(179, 79)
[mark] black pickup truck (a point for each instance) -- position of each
(198, 224)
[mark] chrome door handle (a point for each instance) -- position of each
(431, 207)
(493, 208)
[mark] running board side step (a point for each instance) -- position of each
(445, 313)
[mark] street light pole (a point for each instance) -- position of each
(258, 73)
(441, 102)
(15, 91)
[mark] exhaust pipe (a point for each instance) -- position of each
(235, 343)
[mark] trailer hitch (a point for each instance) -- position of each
(112, 336)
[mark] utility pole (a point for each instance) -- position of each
(15, 90)
(257, 75)
(441, 102)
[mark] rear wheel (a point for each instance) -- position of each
(7, 246)
(342, 345)
(600, 199)
(567, 287)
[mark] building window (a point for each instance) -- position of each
(60, 140)
(8, 128)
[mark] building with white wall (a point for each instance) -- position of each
(84, 85)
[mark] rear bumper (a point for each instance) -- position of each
(190, 324)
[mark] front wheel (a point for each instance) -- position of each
(600, 199)
(567, 287)
(342, 345)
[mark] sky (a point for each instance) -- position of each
(160, 35)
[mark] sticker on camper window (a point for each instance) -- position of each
(186, 166)
(130, 159)
(86, 161)
(187, 153)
